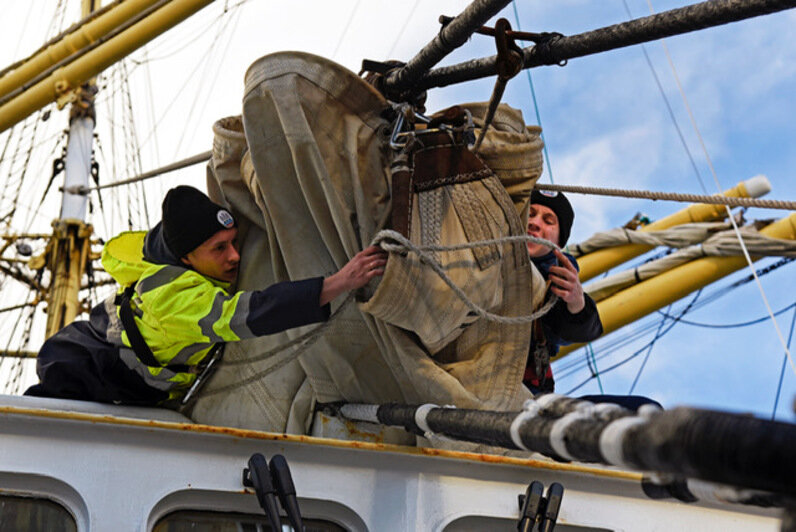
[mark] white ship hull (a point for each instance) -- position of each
(123, 468)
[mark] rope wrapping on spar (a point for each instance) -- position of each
(717, 447)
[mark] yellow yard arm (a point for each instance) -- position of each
(648, 296)
(69, 77)
(602, 260)
(81, 36)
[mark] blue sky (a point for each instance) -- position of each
(604, 121)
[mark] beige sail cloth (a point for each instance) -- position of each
(305, 172)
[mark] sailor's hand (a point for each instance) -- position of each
(365, 265)
(566, 283)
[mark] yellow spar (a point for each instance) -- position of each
(83, 35)
(71, 76)
(648, 296)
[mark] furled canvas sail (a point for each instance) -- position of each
(310, 183)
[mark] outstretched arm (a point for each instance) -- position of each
(365, 265)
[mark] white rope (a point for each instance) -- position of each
(360, 412)
(547, 400)
(729, 214)
(529, 411)
(401, 244)
(613, 436)
(559, 428)
(718, 199)
(420, 417)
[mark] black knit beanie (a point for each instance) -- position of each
(560, 205)
(190, 218)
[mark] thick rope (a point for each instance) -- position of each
(672, 196)
(394, 241)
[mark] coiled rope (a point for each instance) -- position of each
(394, 241)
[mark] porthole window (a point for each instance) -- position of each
(34, 514)
(193, 521)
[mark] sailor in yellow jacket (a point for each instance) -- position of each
(146, 344)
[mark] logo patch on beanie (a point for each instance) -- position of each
(225, 218)
(549, 193)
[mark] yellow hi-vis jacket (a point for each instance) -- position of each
(182, 314)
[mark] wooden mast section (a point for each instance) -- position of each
(67, 253)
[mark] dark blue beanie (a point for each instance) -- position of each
(190, 218)
(560, 205)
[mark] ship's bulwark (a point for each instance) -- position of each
(312, 189)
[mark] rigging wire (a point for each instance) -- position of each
(533, 97)
(729, 213)
(178, 94)
(729, 325)
(131, 139)
(784, 365)
(345, 30)
(25, 166)
(659, 335)
(10, 384)
(196, 35)
(403, 29)
(112, 91)
(647, 355)
(611, 344)
(594, 366)
(36, 211)
(13, 386)
(231, 23)
(150, 87)
(669, 107)
(25, 27)
(715, 199)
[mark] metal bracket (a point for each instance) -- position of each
(538, 512)
(509, 64)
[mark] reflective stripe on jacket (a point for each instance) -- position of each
(180, 313)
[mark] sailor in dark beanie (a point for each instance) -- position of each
(148, 344)
(560, 205)
(190, 218)
(574, 318)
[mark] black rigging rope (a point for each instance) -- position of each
(728, 449)
(658, 335)
(784, 365)
(729, 325)
(612, 345)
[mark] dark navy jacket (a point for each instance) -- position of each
(560, 327)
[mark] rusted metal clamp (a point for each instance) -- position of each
(509, 64)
